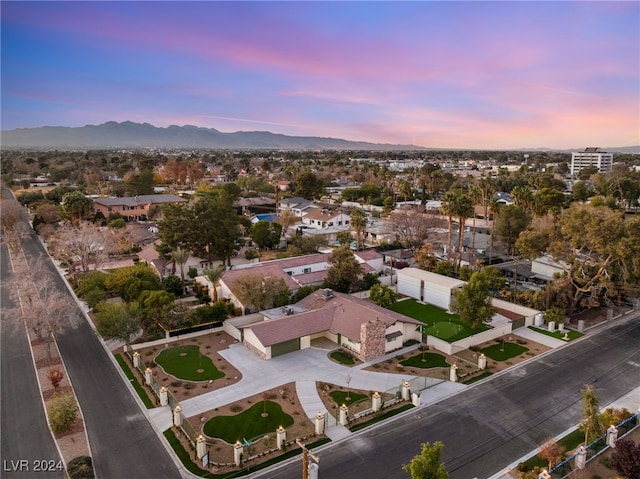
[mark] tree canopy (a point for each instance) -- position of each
(344, 272)
(118, 320)
(427, 465)
(473, 302)
(265, 234)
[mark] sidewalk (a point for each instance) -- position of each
(630, 401)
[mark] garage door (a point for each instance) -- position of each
(286, 347)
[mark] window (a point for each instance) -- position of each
(306, 270)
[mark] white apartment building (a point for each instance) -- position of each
(591, 157)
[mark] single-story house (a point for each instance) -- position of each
(296, 272)
(133, 207)
(298, 206)
(429, 287)
(546, 268)
(360, 326)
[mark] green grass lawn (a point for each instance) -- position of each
(503, 351)
(186, 362)
(485, 374)
(248, 424)
(557, 334)
(425, 361)
(342, 358)
(340, 397)
(439, 323)
(134, 382)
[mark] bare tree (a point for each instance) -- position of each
(14, 223)
(260, 292)
(85, 245)
(413, 227)
(44, 308)
(551, 451)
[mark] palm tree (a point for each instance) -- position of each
(487, 189)
(463, 210)
(523, 198)
(476, 197)
(358, 220)
(180, 256)
(493, 206)
(448, 208)
(214, 275)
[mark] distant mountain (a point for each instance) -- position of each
(143, 135)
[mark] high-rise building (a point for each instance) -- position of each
(591, 157)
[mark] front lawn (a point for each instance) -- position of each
(340, 397)
(503, 351)
(439, 323)
(186, 362)
(477, 378)
(134, 382)
(557, 334)
(426, 360)
(342, 358)
(261, 418)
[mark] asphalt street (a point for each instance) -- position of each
(123, 443)
(494, 423)
(25, 434)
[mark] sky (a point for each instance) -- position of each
(471, 75)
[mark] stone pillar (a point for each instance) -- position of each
(453, 373)
(314, 471)
(237, 453)
(319, 423)
(609, 314)
(344, 411)
(581, 458)
(482, 361)
(415, 399)
(201, 446)
(376, 402)
(581, 325)
(544, 475)
(164, 396)
(612, 436)
(561, 327)
(136, 359)
(147, 376)
(405, 390)
(177, 416)
(552, 326)
(281, 436)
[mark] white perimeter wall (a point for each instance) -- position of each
(466, 343)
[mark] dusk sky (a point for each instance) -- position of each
(478, 75)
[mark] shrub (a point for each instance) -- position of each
(62, 412)
(55, 375)
(80, 468)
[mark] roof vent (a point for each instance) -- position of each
(327, 293)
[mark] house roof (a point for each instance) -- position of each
(263, 269)
(431, 277)
(323, 215)
(139, 200)
(341, 314)
(368, 254)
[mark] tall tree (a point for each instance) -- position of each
(427, 464)
(215, 275)
(358, 220)
(180, 256)
(344, 272)
(413, 226)
(597, 248)
(487, 189)
(265, 234)
(261, 292)
(309, 186)
(449, 210)
(77, 205)
(473, 301)
(129, 282)
(45, 310)
(118, 321)
(591, 421)
(510, 222)
(382, 295)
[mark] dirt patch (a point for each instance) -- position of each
(210, 346)
(221, 453)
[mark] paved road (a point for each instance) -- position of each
(25, 433)
(123, 443)
(489, 426)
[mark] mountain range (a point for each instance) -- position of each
(144, 135)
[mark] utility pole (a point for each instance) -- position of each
(305, 459)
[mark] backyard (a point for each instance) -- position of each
(438, 322)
